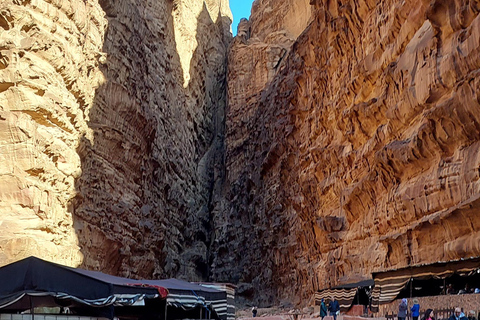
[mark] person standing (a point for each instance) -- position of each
(323, 309)
(457, 315)
(334, 308)
(471, 315)
(254, 311)
(415, 309)
(450, 289)
(402, 309)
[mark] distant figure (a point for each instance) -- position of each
(402, 309)
(457, 315)
(450, 289)
(415, 309)
(254, 311)
(466, 289)
(334, 308)
(323, 309)
(471, 315)
(428, 315)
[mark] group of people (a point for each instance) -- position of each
(333, 308)
(429, 314)
(467, 289)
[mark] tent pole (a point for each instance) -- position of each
(411, 287)
(201, 309)
(32, 310)
(166, 306)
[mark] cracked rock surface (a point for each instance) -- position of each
(352, 146)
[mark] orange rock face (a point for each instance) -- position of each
(356, 148)
(350, 142)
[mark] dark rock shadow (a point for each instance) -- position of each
(143, 204)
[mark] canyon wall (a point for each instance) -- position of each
(349, 143)
(49, 69)
(352, 146)
(111, 126)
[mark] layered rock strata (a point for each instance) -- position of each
(357, 150)
(352, 139)
(49, 69)
(111, 125)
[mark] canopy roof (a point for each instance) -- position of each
(185, 295)
(34, 277)
(388, 284)
(344, 294)
(36, 282)
(181, 294)
(359, 284)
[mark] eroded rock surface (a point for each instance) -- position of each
(352, 138)
(357, 150)
(49, 70)
(111, 122)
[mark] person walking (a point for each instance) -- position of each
(415, 309)
(402, 309)
(334, 308)
(323, 309)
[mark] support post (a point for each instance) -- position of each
(32, 309)
(411, 287)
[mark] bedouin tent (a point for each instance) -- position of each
(388, 284)
(182, 295)
(344, 294)
(184, 299)
(33, 282)
(229, 289)
(187, 296)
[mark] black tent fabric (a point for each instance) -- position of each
(33, 282)
(359, 284)
(229, 289)
(36, 275)
(388, 284)
(183, 294)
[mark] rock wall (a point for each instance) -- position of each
(351, 139)
(111, 129)
(49, 70)
(354, 149)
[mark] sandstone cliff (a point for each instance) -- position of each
(354, 149)
(49, 69)
(111, 122)
(351, 138)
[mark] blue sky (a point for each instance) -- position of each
(240, 9)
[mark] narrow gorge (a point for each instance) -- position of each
(328, 140)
